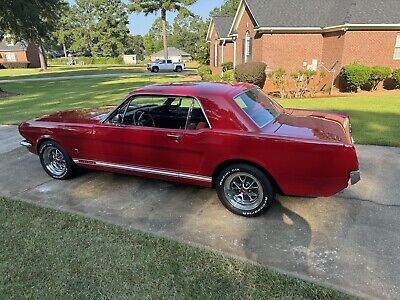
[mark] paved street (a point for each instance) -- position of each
(350, 241)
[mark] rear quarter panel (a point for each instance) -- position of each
(299, 167)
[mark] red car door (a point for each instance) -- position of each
(137, 146)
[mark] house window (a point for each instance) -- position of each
(11, 57)
(397, 47)
(216, 55)
(247, 48)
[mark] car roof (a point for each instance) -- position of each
(195, 89)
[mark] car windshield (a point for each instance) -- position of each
(258, 106)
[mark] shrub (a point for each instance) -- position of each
(215, 77)
(89, 60)
(396, 77)
(378, 75)
(14, 65)
(204, 72)
(302, 80)
(229, 75)
(252, 73)
(355, 75)
(226, 66)
(278, 78)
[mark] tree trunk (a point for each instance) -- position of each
(65, 51)
(164, 25)
(42, 57)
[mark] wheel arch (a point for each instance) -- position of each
(227, 163)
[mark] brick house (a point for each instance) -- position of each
(19, 52)
(314, 34)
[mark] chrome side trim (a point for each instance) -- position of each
(26, 143)
(143, 170)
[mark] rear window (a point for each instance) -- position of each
(258, 106)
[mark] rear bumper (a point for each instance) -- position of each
(355, 176)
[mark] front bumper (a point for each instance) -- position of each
(26, 143)
(355, 176)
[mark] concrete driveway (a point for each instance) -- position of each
(350, 241)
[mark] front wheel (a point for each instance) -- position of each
(155, 70)
(245, 190)
(55, 161)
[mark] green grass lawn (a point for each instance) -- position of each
(42, 97)
(375, 119)
(57, 71)
(46, 254)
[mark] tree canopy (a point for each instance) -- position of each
(163, 6)
(228, 8)
(95, 27)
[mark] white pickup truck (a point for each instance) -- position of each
(165, 65)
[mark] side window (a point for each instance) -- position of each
(169, 61)
(161, 112)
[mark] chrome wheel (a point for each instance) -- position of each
(54, 161)
(243, 191)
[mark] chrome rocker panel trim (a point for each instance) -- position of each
(143, 170)
(26, 143)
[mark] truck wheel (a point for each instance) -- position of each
(155, 69)
(56, 161)
(245, 190)
(179, 69)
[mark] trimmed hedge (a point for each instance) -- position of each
(378, 75)
(89, 60)
(253, 73)
(355, 75)
(396, 77)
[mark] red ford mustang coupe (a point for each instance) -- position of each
(228, 136)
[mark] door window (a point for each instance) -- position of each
(161, 112)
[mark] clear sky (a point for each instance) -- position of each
(140, 24)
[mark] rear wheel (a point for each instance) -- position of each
(245, 190)
(155, 69)
(55, 161)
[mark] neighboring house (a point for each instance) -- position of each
(27, 54)
(173, 53)
(308, 34)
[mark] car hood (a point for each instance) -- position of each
(314, 125)
(85, 116)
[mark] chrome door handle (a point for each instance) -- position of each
(177, 137)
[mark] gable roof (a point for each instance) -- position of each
(18, 46)
(223, 25)
(172, 51)
(321, 14)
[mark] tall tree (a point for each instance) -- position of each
(189, 34)
(31, 20)
(95, 27)
(135, 45)
(228, 8)
(162, 6)
(153, 40)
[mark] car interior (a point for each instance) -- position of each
(162, 112)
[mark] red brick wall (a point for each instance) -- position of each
(19, 55)
(214, 40)
(333, 48)
(247, 24)
(228, 52)
(370, 48)
(290, 51)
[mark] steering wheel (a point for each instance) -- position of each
(143, 118)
